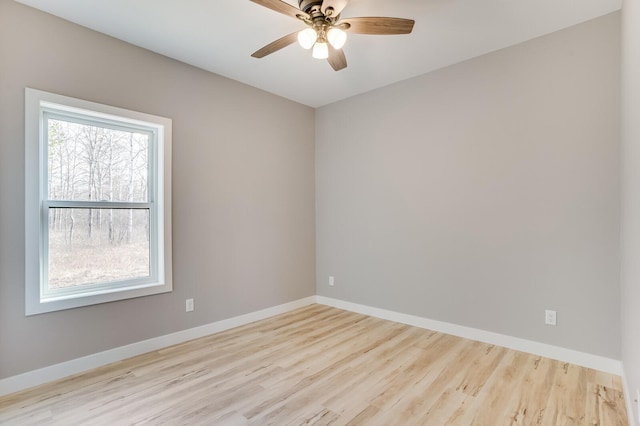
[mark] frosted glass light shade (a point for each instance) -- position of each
(307, 37)
(337, 38)
(320, 51)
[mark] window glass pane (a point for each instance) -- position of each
(88, 246)
(92, 163)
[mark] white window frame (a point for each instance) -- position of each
(38, 106)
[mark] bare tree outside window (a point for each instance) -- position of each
(89, 162)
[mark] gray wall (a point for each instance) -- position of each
(631, 196)
(243, 189)
(483, 193)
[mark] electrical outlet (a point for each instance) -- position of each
(189, 305)
(331, 281)
(550, 317)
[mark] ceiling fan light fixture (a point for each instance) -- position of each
(325, 33)
(336, 37)
(307, 38)
(320, 50)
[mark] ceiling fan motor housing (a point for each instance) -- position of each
(307, 5)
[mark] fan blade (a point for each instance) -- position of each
(276, 45)
(378, 26)
(336, 58)
(282, 7)
(336, 5)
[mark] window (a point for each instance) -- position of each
(98, 203)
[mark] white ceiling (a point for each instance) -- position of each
(220, 35)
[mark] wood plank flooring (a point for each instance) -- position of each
(321, 365)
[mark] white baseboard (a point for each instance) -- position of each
(596, 362)
(78, 365)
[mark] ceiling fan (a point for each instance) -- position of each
(326, 33)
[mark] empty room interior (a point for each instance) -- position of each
(436, 223)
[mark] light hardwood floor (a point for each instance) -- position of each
(321, 365)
